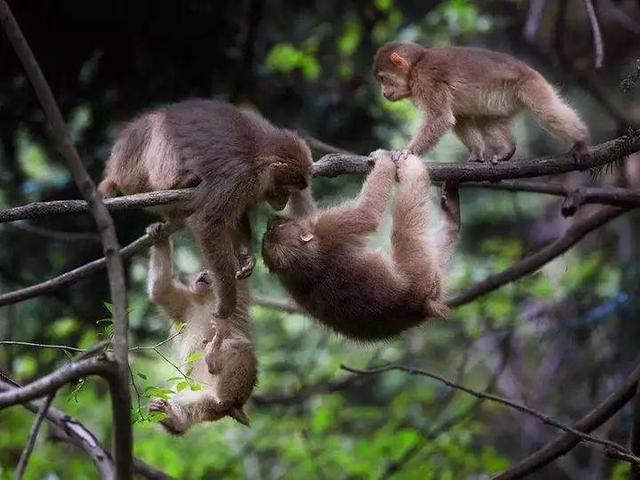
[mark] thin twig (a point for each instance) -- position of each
(634, 442)
(33, 434)
(597, 34)
(119, 388)
(495, 398)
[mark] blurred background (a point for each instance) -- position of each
(559, 340)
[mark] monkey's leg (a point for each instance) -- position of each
(498, 138)
(470, 134)
(183, 411)
(413, 253)
(554, 114)
(450, 205)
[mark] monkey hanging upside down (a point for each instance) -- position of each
(228, 371)
(321, 257)
(476, 92)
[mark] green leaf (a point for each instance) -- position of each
(182, 385)
(109, 306)
(174, 379)
(193, 357)
(141, 375)
(195, 387)
(156, 417)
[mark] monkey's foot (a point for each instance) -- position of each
(478, 157)
(247, 263)
(450, 202)
(580, 153)
(156, 232)
(171, 424)
(503, 156)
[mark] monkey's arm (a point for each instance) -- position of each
(365, 215)
(301, 204)
(438, 118)
(163, 290)
(216, 244)
(244, 248)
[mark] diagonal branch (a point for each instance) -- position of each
(563, 444)
(33, 435)
(530, 264)
(597, 34)
(502, 400)
(79, 273)
(68, 429)
(120, 397)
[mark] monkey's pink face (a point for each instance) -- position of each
(201, 283)
(285, 241)
(393, 86)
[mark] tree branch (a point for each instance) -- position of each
(33, 434)
(69, 430)
(574, 197)
(56, 379)
(563, 444)
(597, 34)
(120, 397)
(79, 273)
(502, 400)
(533, 262)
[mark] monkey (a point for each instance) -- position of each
(322, 260)
(228, 371)
(476, 92)
(236, 160)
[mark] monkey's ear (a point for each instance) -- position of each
(398, 60)
(306, 237)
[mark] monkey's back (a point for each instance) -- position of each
(358, 295)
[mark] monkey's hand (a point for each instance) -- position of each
(246, 261)
(157, 232)
(400, 155)
(580, 153)
(411, 167)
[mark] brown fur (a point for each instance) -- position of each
(228, 371)
(322, 259)
(475, 92)
(237, 159)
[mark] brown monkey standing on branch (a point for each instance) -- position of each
(476, 92)
(322, 259)
(238, 160)
(228, 371)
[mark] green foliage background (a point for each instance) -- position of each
(558, 340)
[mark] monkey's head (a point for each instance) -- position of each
(201, 284)
(288, 159)
(287, 243)
(392, 66)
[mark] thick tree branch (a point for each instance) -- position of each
(120, 397)
(68, 429)
(339, 164)
(563, 444)
(33, 435)
(502, 400)
(72, 276)
(533, 262)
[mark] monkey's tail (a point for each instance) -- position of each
(552, 111)
(239, 415)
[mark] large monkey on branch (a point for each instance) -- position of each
(236, 158)
(322, 260)
(476, 92)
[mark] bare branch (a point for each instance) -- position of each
(68, 207)
(33, 434)
(332, 165)
(56, 379)
(530, 264)
(634, 443)
(502, 400)
(285, 305)
(597, 34)
(615, 196)
(534, 17)
(596, 417)
(79, 273)
(120, 397)
(69, 430)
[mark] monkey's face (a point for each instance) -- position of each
(285, 242)
(285, 180)
(394, 86)
(201, 284)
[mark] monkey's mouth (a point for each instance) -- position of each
(203, 278)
